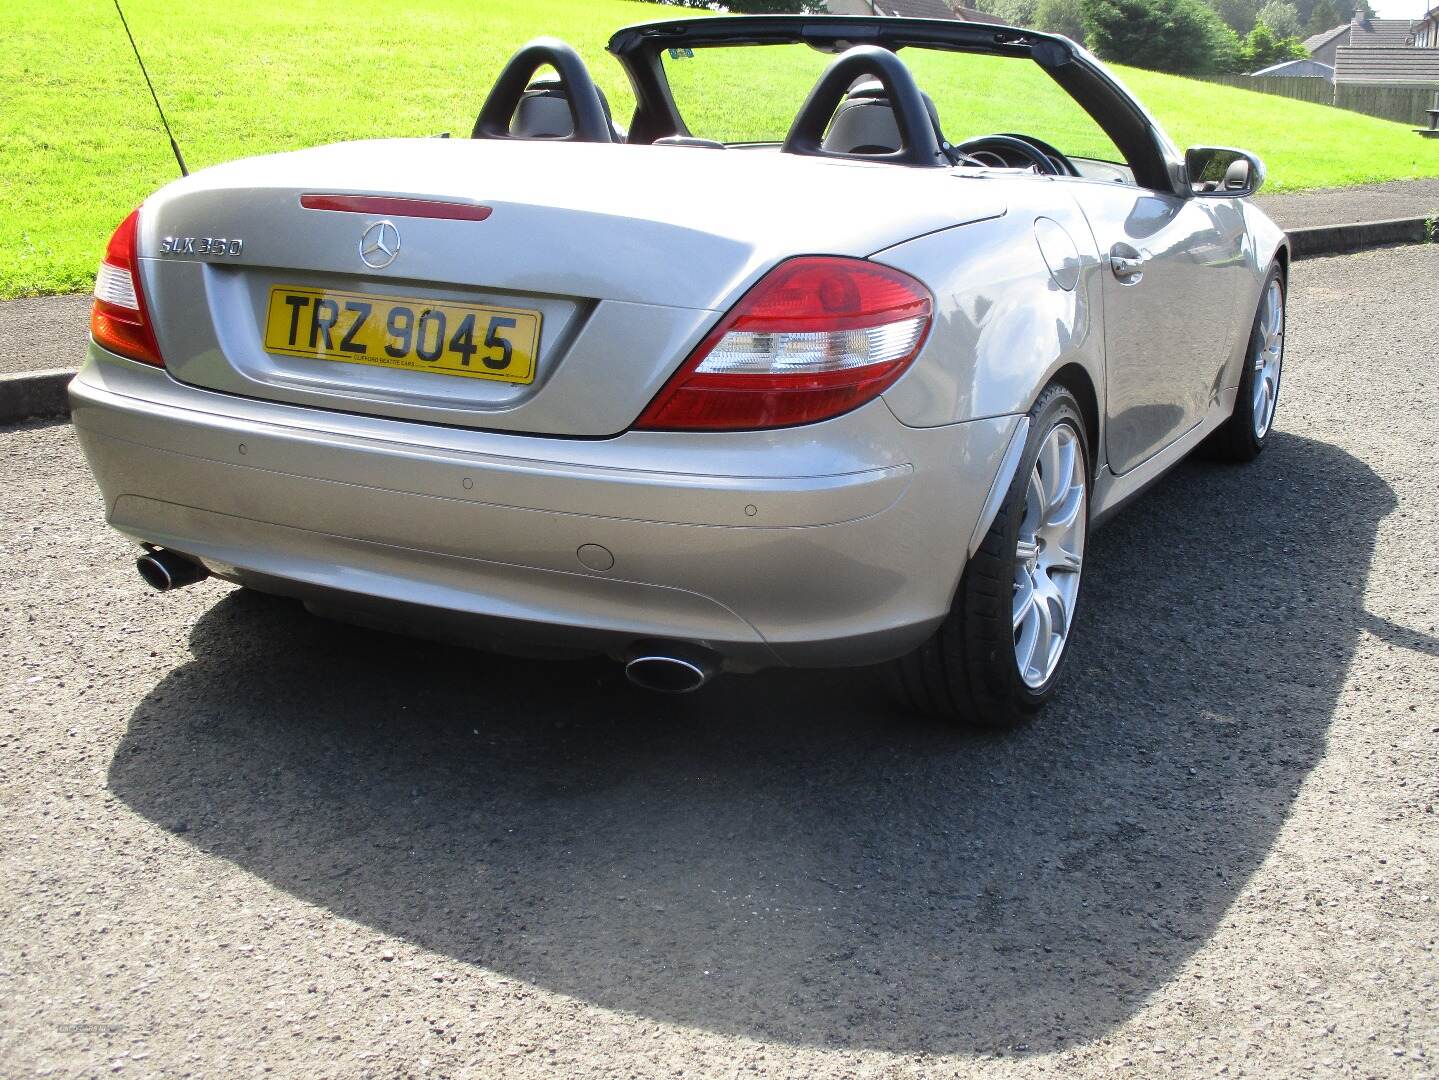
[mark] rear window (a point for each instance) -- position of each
(751, 94)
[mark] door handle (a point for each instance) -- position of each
(1128, 268)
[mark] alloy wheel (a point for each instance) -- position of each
(1049, 555)
(1268, 358)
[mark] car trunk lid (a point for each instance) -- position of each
(617, 259)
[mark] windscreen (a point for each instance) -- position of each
(751, 93)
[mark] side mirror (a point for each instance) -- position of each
(1223, 172)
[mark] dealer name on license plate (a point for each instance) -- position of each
(472, 340)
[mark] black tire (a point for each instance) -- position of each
(967, 673)
(1235, 439)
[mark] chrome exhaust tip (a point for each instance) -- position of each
(165, 570)
(671, 668)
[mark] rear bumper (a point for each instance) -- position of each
(838, 543)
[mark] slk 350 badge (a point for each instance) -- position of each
(200, 245)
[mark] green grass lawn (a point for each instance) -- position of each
(80, 145)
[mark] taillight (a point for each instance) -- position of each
(815, 337)
(119, 321)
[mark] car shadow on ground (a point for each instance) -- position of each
(781, 856)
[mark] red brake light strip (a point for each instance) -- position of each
(391, 206)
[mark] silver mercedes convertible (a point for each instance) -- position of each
(689, 397)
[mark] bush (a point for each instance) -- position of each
(1263, 47)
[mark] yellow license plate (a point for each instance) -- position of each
(472, 340)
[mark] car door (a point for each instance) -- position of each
(1170, 277)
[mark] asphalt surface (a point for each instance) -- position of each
(1341, 206)
(235, 838)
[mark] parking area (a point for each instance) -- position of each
(237, 839)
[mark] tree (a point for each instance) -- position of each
(1323, 16)
(1226, 50)
(1013, 12)
(1181, 36)
(1060, 17)
(1263, 47)
(1281, 18)
(1238, 15)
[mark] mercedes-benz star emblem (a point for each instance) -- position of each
(380, 245)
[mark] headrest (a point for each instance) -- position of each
(1236, 177)
(866, 87)
(544, 111)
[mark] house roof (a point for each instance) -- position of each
(1304, 67)
(974, 15)
(1386, 63)
(1364, 33)
(915, 9)
(1315, 41)
(1377, 32)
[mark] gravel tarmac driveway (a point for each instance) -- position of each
(1339, 206)
(235, 839)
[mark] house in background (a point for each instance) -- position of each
(1381, 67)
(969, 14)
(1387, 65)
(1379, 52)
(1359, 32)
(1426, 30)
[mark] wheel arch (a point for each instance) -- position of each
(1282, 256)
(1270, 243)
(1075, 378)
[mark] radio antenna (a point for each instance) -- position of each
(154, 97)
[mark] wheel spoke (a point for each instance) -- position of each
(1038, 661)
(1063, 515)
(1064, 561)
(1023, 599)
(1063, 483)
(1034, 503)
(1051, 598)
(1031, 645)
(1025, 550)
(1025, 648)
(1054, 477)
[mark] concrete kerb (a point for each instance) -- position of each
(28, 394)
(1359, 236)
